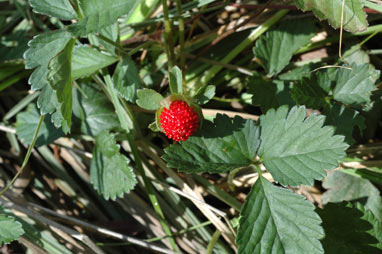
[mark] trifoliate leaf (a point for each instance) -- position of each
(275, 49)
(61, 9)
(276, 220)
(87, 60)
(355, 86)
(346, 231)
(354, 18)
(342, 186)
(10, 229)
(222, 146)
(26, 125)
(110, 172)
(344, 120)
(60, 79)
(126, 79)
(99, 14)
(297, 150)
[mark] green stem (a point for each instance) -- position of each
(213, 241)
(169, 43)
(181, 32)
(26, 159)
(257, 169)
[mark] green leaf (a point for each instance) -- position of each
(270, 94)
(346, 232)
(222, 146)
(299, 72)
(110, 172)
(94, 110)
(60, 79)
(111, 33)
(99, 14)
(87, 60)
(344, 120)
(126, 79)
(10, 229)
(355, 86)
(27, 122)
(42, 48)
(205, 95)
(123, 115)
(275, 49)
(276, 220)
(309, 93)
(47, 102)
(342, 186)
(176, 80)
(376, 231)
(61, 9)
(355, 55)
(354, 19)
(149, 99)
(297, 150)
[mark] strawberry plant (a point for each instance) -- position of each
(190, 126)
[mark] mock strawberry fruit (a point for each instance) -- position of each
(179, 121)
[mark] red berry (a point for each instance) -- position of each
(180, 121)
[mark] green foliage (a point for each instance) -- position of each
(355, 86)
(297, 150)
(270, 94)
(342, 186)
(277, 47)
(149, 99)
(344, 120)
(346, 231)
(9, 229)
(309, 93)
(276, 220)
(126, 79)
(110, 172)
(27, 123)
(222, 146)
(176, 80)
(60, 79)
(108, 56)
(99, 14)
(41, 50)
(61, 9)
(354, 19)
(93, 110)
(87, 60)
(376, 231)
(205, 95)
